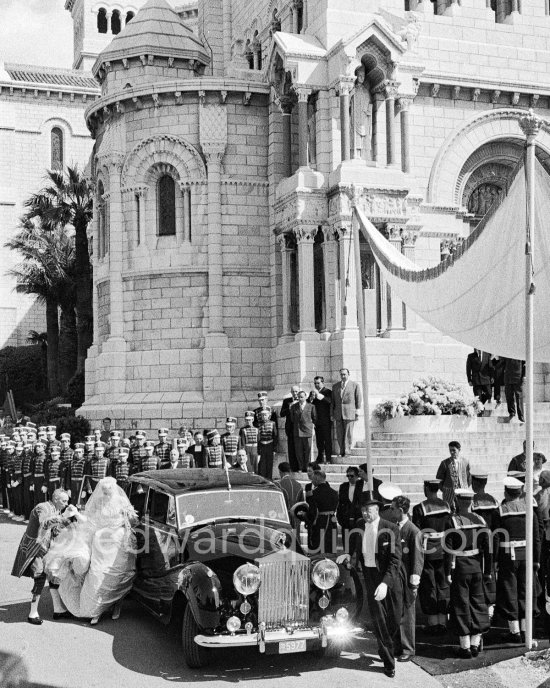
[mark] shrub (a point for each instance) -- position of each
(63, 418)
(21, 371)
(75, 390)
(431, 397)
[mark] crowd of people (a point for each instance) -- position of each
(488, 374)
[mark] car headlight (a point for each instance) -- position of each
(233, 624)
(246, 579)
(342, 615)
(325, 574)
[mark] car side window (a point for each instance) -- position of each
(138, 496)
(158, 506)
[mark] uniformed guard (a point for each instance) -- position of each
(183, 458)
(122, 468)
(468, 543)
(41, 435)
(89, 447)
(511, 556)
(16, 478)
(28, 501)
(267, 442)
(4, 473)
(151, 462)
(97, 436)
(321, 521)
(112, 450)
(215, 456)
(263, 401)
(39, 488)
(248, 438)
(97, 468)
(53, 470)
(230, 440)
(486, 506)
(433, 518)
(8, 462)
(185, 432)
(138, 452)
(74, 476)
(51, 440)
(163, 448)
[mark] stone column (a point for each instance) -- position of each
(95, 259)
(116, 251)
(305, 236)
(303, 94)
(214, 154)
(140, 220)
(390, 92)
(285, 287)
(409, 237)
(379, 124)
(515, 6)
(286, 105)
(348, 295)
(395, 305)
(345, 87)
(330, 258)
(404, 104)
(186, 224)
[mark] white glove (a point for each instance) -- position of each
(381, 592)
(548, 604)
(70, 511)
(414, 580)
(31, 488)
(15, 483)
(343, 559)
(12, 484)
(83, 493)
(44, 489)
(449, 579)
(69, 493)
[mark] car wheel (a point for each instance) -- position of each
(195, 656)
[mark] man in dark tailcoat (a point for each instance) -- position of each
(289, 429)
(321, 398)
(514, 374)
(349, 503)
(321, 517)
(479, 373)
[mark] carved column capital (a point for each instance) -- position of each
(214, 151)
(286, 103)
(345, 85)
(303, 93)
(530, 125)
(409, 237)
(404, 102)
(305, 234)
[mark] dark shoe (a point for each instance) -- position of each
(465, 653)
(35, 620)
(405, 657)
(475, 650)
(514, 638)
(389, 671)
(62, 615)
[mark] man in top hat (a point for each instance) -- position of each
(433, 518)
(151, 462)
(321, 518)
(345, 406)
(197, 450)
(289, 426)
(412, 565)
(248, 440)
(215, 456)
(267, 443)
(511, 557)
(230, 440)
(75, 474)
(53, 470)
(96, 470)
(163, 447)
(39, 488)
(262, 400)
(468, 543)
(486, 506)
(453, 472)
(379, 552)
(304, 416)
(138, 452)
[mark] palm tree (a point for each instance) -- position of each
(68, 201)
(46, 273)
(41, 338)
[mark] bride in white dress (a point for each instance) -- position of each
(94, 560)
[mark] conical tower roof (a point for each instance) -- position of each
(155, 30)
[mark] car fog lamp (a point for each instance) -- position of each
(246, 579)
(233, 624)
(245, 607)
(342, 615)
(324, 601)
(325, 574)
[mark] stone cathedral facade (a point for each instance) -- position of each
(227, 140)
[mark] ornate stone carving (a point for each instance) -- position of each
(391, 88)
(156, 100)
(495, 96)
(305, 234)
(170, 61)
(213, 124)
(223, 97)
(533, 100)
(409, 237)
(125, 63)
(435, 90)
(456, 92)
(530, 125)
(515, 98)
(475, 94)
(410, 33)
(247, 95)
(143, 59)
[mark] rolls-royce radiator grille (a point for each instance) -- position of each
(284, 593)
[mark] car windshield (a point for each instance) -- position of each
(197, 507)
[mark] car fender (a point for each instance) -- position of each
(202, 589)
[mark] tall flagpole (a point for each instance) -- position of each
(530, 125)
(362, 334)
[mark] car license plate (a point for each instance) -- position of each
(288, 646)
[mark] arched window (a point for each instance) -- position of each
(300, 16)
(115, 22)
(102, 21)
(166, 206)
(129, 17)
(56, 149)
(249, 55)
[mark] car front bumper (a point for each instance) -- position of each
(314, 637)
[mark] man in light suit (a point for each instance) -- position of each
(345, 405)
(303, 416)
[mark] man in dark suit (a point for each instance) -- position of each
(379, 551)
(514, 373)
(303, 418)
(479, 372)
(349, 503)
(321, 398)
(412, 564)
(345, 404)
(321, 516)
(289, 428)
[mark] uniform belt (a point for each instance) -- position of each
(39, 475)
(27, 475)
(466, 553)
(326, 513)
(434, 536)
(251, 445)
(51, 480)
(512, 545)
(266, 441)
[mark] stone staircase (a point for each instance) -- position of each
(407, 459)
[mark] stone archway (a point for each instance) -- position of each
(446, 182)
